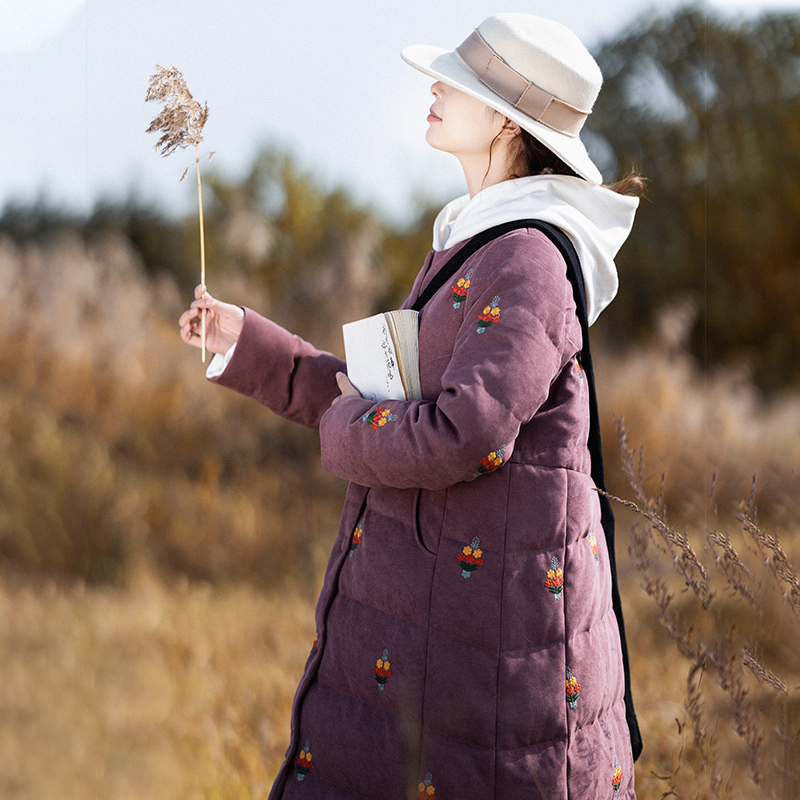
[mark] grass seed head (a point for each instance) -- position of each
(182, 119)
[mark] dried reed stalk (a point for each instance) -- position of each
(181, 124)
(721, 640)
(673, 543)
(775, 559)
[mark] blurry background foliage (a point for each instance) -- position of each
(161, 537)
(709, 111)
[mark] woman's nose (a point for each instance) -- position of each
(437, 90)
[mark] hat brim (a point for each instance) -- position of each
(446, 66)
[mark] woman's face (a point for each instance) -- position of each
(460, 124)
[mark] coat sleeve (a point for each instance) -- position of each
(282, 371)
(508, 350)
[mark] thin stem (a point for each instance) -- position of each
(202, 249)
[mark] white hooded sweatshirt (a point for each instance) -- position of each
(597, 220)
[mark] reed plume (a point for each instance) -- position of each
(731, 603)
(181, 124)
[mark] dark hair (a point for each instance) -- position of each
(530, 157)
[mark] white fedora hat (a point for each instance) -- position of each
(532, 70)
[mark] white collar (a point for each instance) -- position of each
(596, 219)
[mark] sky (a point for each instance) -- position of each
(322, 80)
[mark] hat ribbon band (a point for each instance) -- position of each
(494, 73)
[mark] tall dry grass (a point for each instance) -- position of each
(695, 423)
(117, 450)
(146, 690)
(706, 474)
(729, 600)
(162, 542)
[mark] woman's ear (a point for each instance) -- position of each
(510, 128)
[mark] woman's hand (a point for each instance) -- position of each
(345, 387)
(223, 322)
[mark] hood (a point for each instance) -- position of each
(597, 220)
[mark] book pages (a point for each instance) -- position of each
(404, 327)
(383, 357)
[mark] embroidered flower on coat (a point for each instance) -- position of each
(426, 790)
(593, 544)
(578, 368)
(381, 670)
(555, 579)
(315, 644)
(470, 558)
(573, 689)
(355, 540)
(491, 462)
(303, 762)
(616, 780)
(490, 315)
(379, 417)
(460, 290)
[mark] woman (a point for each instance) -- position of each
(467, 645)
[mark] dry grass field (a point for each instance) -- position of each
(163, 543)
(146, 691)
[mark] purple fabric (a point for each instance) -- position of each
(469, 556)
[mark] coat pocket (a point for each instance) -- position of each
(429, 517)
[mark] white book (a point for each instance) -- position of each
(382, 354)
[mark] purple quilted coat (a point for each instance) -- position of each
(467, 648)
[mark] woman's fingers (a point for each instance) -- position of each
(188, 316)
(206, 301)
(189, 336)
(345, 387)
(223, 322)
(190, 323)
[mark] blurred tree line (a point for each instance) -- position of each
(709, 111)
(92, 372)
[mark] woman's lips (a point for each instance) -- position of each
(433, 118)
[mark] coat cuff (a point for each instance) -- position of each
(261, 351)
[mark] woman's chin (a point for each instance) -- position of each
(432, 139)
